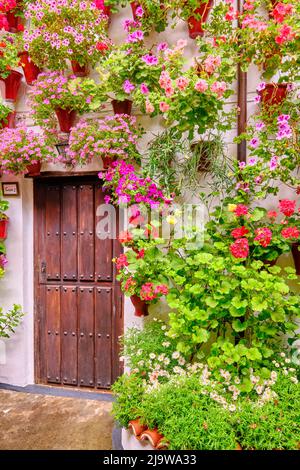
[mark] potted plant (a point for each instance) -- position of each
(64, 96)
(296, 256)
(111, 137)
(131, 69)
(273, 93)
(3, 229)
(195, 12)
(30, 70)
(22, 151)
(77, 31)
(8, 60)
(13, 10)
(7, 116)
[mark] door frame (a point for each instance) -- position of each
(118, 296)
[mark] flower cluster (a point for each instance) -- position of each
(8, 54)
(112, 137)
(128, 187)
(54, 90)
(22, 147)
(62, 29)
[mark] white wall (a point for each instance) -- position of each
(16, 354)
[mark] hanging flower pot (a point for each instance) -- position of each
(34, 169)
(3, 228)
(12, 85)
(66, 119)
(296, 256)
(122, 107)
(79, 70)
(14, 22)
(30, 70)
(141, 308)
(273, 94)
(10, 121)
(195, 22)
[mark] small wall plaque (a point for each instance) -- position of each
(10, 189)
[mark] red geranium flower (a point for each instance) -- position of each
(239, 232)
(263, 236)
(287, 207)
(240, 210)
(240, 248)
(290, 232)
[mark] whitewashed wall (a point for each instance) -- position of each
(17, 353)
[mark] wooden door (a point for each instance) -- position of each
(78, 300)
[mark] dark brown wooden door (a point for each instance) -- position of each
(78, 300)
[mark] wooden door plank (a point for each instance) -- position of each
(86, 232)
(69, 233)
(103, 335)
(103, 248)
(53, 334)
(52, 234)
(69, 335)
(86, 337)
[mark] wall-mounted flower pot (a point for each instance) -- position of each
(79, 70)
(195, 23)
(122, 107)
(14, 22)
(134, 6)
(12, 85)
(34, 169)
(10, 121)
(66, 119)
(296, 256)
(3, 228)
(141, 308)
(30, 70)
(273, 94)
(107, 161)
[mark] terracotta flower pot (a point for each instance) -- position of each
(30, 70)
(3, 229)
(14, 22)
(134, 6)
(79, 70)
(122, 107)
(153, 436)
(66, 119)
(12, 85)
(136, 427)
(34, 169)
(141, 308)
(270, 263)
(273, 94)
(296, 256)
(195, 22)
(10, 121)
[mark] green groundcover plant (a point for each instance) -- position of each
(10, 320)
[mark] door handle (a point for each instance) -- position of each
(43, 267)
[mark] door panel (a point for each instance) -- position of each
(78, 300)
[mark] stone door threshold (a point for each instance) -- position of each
(59, 392)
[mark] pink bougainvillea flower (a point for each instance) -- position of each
(240, 248)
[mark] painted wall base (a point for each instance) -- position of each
(130, 442)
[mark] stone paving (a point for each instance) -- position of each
(41, 422)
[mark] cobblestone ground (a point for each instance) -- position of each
(38, 422)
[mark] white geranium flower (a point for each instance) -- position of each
(232, 407)
(175, 355)
(166, 344)
(152, 356)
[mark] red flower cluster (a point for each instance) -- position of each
(287, 207)
(7, 5)
(121, 262)
(286, 34)
(239, 232)
(272, 214)
(3, 22)
(240, 248)
(290, 232)
(150, 292)
(240, 210)
(263, 236)
(129, 283)
(281, 10)
(125, 237)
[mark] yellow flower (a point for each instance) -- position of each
(171, 220)
(232, 207)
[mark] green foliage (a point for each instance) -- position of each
(8, 55)
(10, 320)
(4, 112)
(129, 391)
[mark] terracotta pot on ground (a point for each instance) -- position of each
(296, 256)
(10, 121)
(153, 436)
(30, 70)
(3, 229)
(66, 119)
(141, 308)
(122, 107)
(34, 169)
(79, 70)
(195, 22)
(14, 22)
(136, 427)
(12, 85)
(273, 94)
